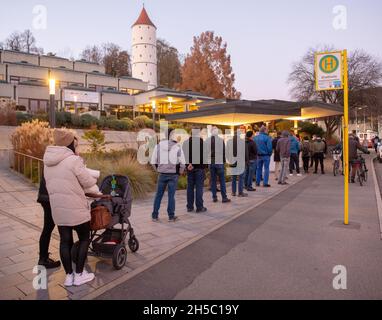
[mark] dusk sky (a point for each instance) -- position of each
(264, 37)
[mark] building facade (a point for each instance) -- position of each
(83, 87)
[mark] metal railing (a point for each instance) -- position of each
(28, 166)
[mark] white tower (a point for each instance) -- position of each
(144, 50)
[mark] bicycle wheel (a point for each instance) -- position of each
(335, 169)
(366, 175)
(360, 178)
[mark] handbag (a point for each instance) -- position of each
(100, 218)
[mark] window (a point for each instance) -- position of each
(14, 80)
(124, 90)
(1, 77)
(92, 87)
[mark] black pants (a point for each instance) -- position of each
(312, 160)
(66, 244)
(306, 163)
(319, 158)
(46, 231)
(294, 163)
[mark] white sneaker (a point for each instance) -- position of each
(69, 280)
(299, 175)
(84, 277)
(291, 175)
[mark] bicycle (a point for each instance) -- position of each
(337, 162)
(362, 171)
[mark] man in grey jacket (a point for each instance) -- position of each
(169, 161)
(283, 148)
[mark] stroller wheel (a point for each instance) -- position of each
(119, 257)
(75, 252)
(133, 244)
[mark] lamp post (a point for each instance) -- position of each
(75, 104)
(154, 110)
(52, 104)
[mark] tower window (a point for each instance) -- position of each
(142, 38)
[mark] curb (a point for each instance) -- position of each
(175, 250)
(378, 196)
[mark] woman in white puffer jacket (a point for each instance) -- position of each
(66, 179)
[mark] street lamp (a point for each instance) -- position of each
(153, 104)
(52, 104)
(75, 98)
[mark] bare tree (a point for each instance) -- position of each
(92, 54)
(14, 42)
(22, 41)
(365, 71)
(116, 61)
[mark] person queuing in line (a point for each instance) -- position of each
(277, 157)
(318, 151)
(354, 146)
(236, 157)
(251, 159)
(49, 225)
(355, 135)
(314, 138)
(168, 160)
(283, 148)
(264, 149)
(215, 151)
(305, 149)
(193, 150)
(66, 180)
(294, 155)
(376, 142)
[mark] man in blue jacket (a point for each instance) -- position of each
(295, 149)
(264, 150)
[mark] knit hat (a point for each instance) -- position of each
(249, 134)
(63, 138)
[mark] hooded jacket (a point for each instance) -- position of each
(168, 158)
(283, 147)
(66, 179)
(294, 145)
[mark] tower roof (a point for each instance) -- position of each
(144, 19)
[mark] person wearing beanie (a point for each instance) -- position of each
(283, 148)
(66, 179)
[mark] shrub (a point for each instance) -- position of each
(96, 138)
(7, 113)
(87, 121)
(23, 117)
(312, 129)
(142, 122)
(141, 177)
(63, 119)
(32, 138)
(182, 183)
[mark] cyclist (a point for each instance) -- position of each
(354, 146)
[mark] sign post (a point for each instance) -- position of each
(331, 72)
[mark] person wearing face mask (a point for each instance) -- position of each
(66, 181)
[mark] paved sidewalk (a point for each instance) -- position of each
(21, 222)
(285, 248)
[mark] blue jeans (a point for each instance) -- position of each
(170, 182)
(195, 189)
(263, 162)
(250, 174)
(218, 170)
(235, 179)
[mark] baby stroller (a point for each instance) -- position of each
(111, 243)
